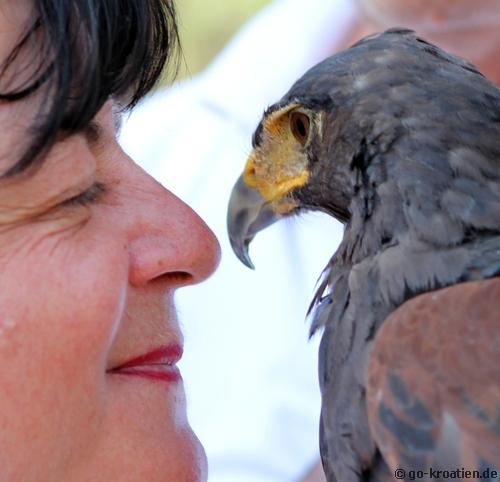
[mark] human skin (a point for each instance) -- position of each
(83, 289)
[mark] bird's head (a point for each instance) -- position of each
(282, 175)
(285, 171)
(318, 147)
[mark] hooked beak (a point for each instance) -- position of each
(248, 213)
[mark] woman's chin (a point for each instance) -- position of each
(146, 435)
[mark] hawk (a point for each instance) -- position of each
(400, 141)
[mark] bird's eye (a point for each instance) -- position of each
(300, 124)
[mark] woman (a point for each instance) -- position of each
(91, 251)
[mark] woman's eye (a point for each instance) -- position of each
(90, 196)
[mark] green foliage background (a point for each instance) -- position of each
(206, 25)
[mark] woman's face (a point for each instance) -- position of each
(88, 329)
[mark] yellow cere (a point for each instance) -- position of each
(279, 164)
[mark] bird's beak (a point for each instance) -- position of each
(248, 213)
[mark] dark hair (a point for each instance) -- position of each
(81, 53)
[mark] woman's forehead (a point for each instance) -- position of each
(14, 15)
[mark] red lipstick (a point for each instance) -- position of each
(158, 364)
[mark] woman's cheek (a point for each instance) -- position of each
(60, 306)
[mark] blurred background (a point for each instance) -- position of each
(206, 26)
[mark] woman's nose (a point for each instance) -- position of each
(166, 237)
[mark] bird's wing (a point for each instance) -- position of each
(433, 382)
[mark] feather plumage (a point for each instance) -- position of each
(405, 150)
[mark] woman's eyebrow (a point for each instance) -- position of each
(94, 130)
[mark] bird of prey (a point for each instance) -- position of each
(400, 141)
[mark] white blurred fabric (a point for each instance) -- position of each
(250, 372)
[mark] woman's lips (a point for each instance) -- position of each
(158, 364)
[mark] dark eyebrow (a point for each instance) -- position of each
(93, 132)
